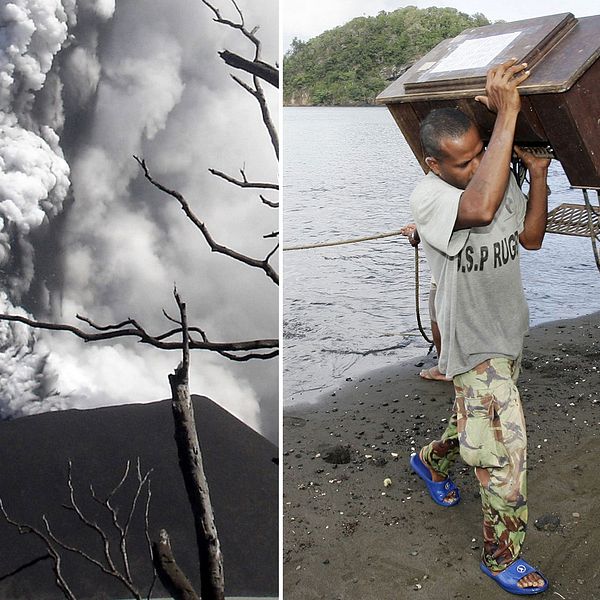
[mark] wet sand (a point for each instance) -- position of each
(348, 537)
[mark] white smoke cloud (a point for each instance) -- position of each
(33, 32)
(81, 73)
(22, 364)
(145, 81)
(34, 176)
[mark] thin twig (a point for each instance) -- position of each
(24, 528)
(91, 524)
(244, 183)
(268, 202)
(272, 252)
(35, 561)
(109, 571)
(258, 93)
(147, 516)
(214, 246)
(239, 26)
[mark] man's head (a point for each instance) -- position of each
(452, 145)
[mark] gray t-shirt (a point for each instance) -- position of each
(480, 305)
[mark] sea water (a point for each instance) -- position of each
(349, 309)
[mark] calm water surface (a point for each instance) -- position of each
(348, 173)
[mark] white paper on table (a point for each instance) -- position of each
(472, 54)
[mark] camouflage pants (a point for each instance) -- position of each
(488, 430)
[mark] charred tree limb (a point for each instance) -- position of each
(35, 561)
(212, 586)
(24, 528)
(108, 566)
(268, 202)
(54, 545)
(122, 529)
(214, 246)
(110, 333)
(260, 69)
(244, 183)
(240, 26)
(168, 571)
(258, 93)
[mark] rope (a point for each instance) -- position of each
(417, 298)
(366, 238)
(376, 237)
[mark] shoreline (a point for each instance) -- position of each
(327, 395)
(347, 536)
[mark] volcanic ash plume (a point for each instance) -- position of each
(83, 86)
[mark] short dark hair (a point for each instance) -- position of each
(442, 123)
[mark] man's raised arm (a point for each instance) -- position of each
(483, 195)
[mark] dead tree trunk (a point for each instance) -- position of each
(212, 583)
(170, 575)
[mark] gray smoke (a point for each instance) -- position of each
(84, 86)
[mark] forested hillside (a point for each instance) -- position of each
(351, 64)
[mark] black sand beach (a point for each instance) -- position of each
(349, 537)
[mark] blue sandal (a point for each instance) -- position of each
(438, 490)
(508, 579)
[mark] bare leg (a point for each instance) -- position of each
(434, 372)
(437, 337)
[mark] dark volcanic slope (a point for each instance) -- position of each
(33, 473)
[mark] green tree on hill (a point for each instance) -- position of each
(351, 64)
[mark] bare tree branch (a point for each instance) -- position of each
(170, 318)
(122, 530)
(221, 347)
(250, 356)
(108, 571)
(257, 68)
(35, 561)
(56, 559)
(273, 234)
(244, 183)
(269, 202)
(241, 26)
(109, 568)
(214, 246)
(73, 506)
(258, 93)
(272, 252)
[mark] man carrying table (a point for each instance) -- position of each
(472, 217)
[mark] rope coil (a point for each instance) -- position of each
(418, 310)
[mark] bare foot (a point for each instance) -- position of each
(435, 476)
(434, 374)
(531, 580)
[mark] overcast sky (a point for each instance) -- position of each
(309, 18)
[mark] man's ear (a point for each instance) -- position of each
(433, 164)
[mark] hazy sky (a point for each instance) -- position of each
(311, 17)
